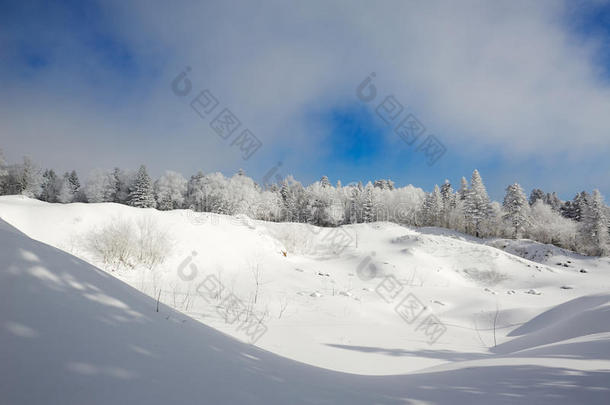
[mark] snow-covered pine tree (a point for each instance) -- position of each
(594, 225)
(74, 182)
(287, 204)
(324, 183)
(319, 210)
(448, 202)
(195, 198)
(381, 184)
(516, 209)
(122, 183)
(476, 208)
(3, 169)
(50, 186)
(432, 207)
(3, 175)
(574, 209)
(141, 193)
(354, 213)
(463, 191)
(553, 200)
(437, 206)
(368, 203)
(536, 195)
(292, 195)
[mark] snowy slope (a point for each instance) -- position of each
(80, 335)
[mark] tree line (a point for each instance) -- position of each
(580, 224)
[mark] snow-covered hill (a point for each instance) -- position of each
(72, 333)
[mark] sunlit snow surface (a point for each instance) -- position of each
(335, 332)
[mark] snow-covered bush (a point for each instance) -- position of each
(119, 244)
(113, 244)
(548, 226)
(153, 243)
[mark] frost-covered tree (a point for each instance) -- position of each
(548, 226)
(432, 208)
(244, 196)
(476, 207)
(121, 184)
(50, 186)
(536, 195)
(448, 198)
(170, 190)
(324, 183)
(516, 209)
(66, 193)
(553, 201)
(99, 186)
(574, 209)
(463, 191)
(293, 198)
(209, 193)
(354, 206)
(325, 208)
(77, 192)
(3, 171)
(384, 184)
(24, 178)
(141, 192)
(594, 225)
(368, 203)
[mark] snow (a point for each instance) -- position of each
(72, 333)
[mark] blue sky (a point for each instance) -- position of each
(518, 90)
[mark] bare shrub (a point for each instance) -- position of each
(119, 244)
(152, 242)
(112, 244)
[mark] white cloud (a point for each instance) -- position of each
(501, 75)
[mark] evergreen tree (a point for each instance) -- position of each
(368, 204)
(3, 174)
(141, 193)
(75, 186)
(50, 186)
(432, 207)
(448, 202)
(516, 208)
(381, 184)
(536, 195)
(594, 226)
(289, 195)
(574, 209)
(477, 202)
(288, 210)
(554, 201)
(121, 185)
(324, 183)
(319, 212)
(463, 191)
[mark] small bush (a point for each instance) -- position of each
(121, 244)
